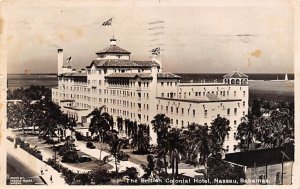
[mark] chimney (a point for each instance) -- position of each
(60, 61)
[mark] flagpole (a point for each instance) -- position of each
(113, 29)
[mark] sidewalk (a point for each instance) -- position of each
(37, 164)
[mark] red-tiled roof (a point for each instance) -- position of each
(167, 75)
(235, 74)
(121, 63)
(113, 49)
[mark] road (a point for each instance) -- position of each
(22, 164)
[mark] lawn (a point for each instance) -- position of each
(47, 151)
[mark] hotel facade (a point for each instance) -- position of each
(138, 90)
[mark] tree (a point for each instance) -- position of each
(115, 145)
(219, 169)
(197, 142)
(218, 130)
(161, 124)
(246, 131)
(175, 143)
(255, 109)
(100, 122)
(141, 140)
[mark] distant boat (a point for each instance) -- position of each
(282, 80)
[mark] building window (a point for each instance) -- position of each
(162, 94)
(243, 113)
(176, 121)
(244, 103)
(205, 113)
(227, 148)
(166, 109)
(234, 93)
(244, 93)
(194, 112)
(235, 111)
(171, 121)
(176, 110)
(162, 83)
(234, 122)
(182, 123)
(182, 110)
(171, 110)
(278, 180)
(228, 111)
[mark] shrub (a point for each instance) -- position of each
(83, 159)
(70, 157)
(123, 156)
(78, 136)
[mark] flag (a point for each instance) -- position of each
(107, 23)
(155, 51)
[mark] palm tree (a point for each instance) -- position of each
(120, 123)
(140, 140)
(218, 130)
(175, 147)
(115, 144)
(246, 131)
(161, 124)
(197, 140)
(100, 122)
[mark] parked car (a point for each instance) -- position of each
(90, 145)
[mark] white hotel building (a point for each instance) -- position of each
(138, 90)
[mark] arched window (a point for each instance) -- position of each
(237, 81)
(232, 81)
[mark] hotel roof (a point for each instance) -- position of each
(167, 75)
(262, 157)
(235, 74)
(122, 63)
(73, 74)
(112, 49)
(164, 75)
(129, 75)
(198, 100)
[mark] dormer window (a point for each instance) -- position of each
(119, 56)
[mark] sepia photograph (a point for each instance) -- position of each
(148, 92)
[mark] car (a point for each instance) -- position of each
(84, 158)
(90, 145)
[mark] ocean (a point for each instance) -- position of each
(259, 84)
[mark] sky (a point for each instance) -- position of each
(194, 37)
